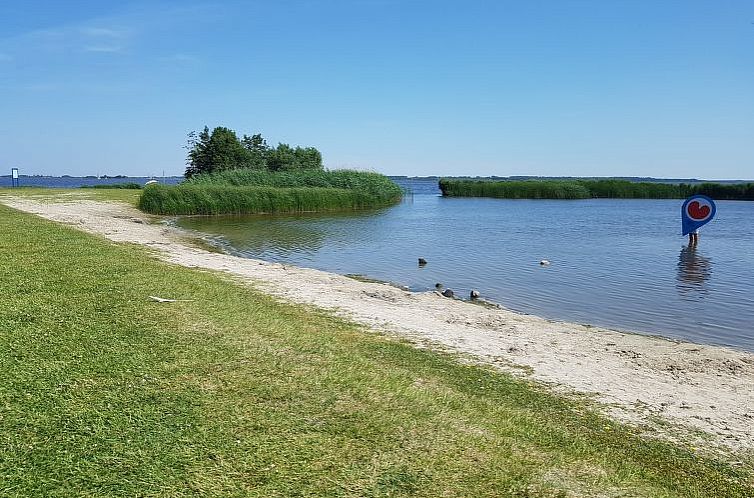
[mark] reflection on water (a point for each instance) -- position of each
(694, 270)
(279, 239)
(276, 237)
(597, 276)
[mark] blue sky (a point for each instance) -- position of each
(646, 88)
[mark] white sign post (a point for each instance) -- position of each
(14, 177)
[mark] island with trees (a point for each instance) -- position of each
(228, 175)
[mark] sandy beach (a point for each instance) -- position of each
(638, 378)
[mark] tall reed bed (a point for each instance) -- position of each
(731, 192)
(514, 189)
(624, 189)
(226, 199)
(246, 191)
(380, 187)
(585, 189)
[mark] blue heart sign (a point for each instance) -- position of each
(697, 210)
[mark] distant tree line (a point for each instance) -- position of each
(719, 191)
(222, 150)
(586, 189)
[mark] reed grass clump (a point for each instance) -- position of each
(225, 199)
(245, 191)
(729, 192)
(377, 185)
(586, 189)
(550, 189)
(624, 189)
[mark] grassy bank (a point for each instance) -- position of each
(234, 394)
(586, 189)
(128, 185)
(127, 196)
(245, 191)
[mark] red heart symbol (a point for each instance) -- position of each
(697, 211)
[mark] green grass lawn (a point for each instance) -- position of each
(105, 393)
(127, 196)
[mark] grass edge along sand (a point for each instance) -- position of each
(246, 191)
(591, 189)
(234, 393)
(55, 195)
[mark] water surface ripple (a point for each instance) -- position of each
(616, 263)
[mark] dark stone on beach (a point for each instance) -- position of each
(422, 261)
(447, 293)
(474, 294)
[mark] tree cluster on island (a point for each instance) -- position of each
(221, 150)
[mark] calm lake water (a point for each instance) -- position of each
(616, 263)
(79, 181)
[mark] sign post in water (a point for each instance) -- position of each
(697, 211)
(14, 177)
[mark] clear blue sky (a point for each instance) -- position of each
(648, 88)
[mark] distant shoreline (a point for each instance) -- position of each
(436, 178)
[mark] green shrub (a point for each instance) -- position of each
(221, 150)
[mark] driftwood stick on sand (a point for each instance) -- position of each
(164, 300)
